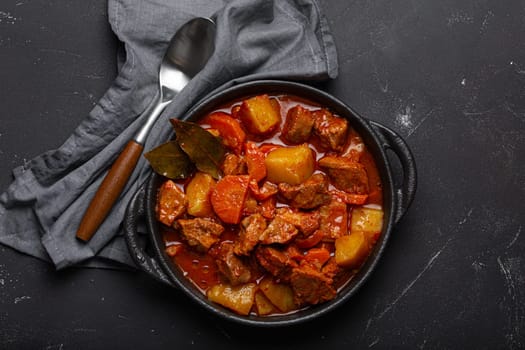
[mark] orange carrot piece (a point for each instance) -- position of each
(267, 147)
(311, 240)
(229, 128)
(228, 197)
(255, 161)
(317, 255)
(350, 198)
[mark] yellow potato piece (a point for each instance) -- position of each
(198, 195)
(280, 295)
(351, 250)
(260, 115)
(366, 220)
(239, 298)
(292, 165)
(263, 305)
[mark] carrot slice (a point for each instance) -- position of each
(255, 161)
(229, 129)
(317, 255)
(311, 240)
(267, 147)
(228, 197)
(350, 198)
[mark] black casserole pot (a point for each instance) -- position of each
(378, 139)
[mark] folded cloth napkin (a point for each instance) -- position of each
(41, 210)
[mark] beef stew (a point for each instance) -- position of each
(289, 217)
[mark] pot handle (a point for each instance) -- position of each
(406, 192)
(144, 261)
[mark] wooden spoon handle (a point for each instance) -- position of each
(109, 190)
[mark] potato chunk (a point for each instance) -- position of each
(259, 115)
(198, 195)
(263, 305)
(292, 165)
(367, 220)
(280, 295)
(239, 299)
(351, 250)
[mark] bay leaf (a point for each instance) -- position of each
(170, 160)
(204, 149)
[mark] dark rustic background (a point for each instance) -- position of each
(448, 75)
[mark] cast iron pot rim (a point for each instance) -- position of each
(364, 129)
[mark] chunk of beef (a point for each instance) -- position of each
(298, 125)
(200, 232)
(311, 286)
(277, 262)
(355, 146)
(251, 206)
(308, 195)
(335, 272)
(330, 129)
(293, 252)
(334, 219)
(171, 203)
(346, 174)
(233, 165)
(305, 222)
(231, 266)
(267, 208)
(279, 231)
(252, 228)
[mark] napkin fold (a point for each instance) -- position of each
(41, 210)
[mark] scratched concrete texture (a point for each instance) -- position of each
(448, 76)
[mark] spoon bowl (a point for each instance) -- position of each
(186, 55)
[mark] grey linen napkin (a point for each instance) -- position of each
(40, 211)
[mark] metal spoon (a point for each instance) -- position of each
(188, 52)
